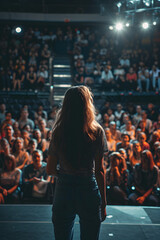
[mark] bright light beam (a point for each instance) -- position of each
(110, 27)
(18, 29)
(145, 25)
(119, 26)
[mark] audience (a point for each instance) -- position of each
(35, 178)
(145, 181)
(9, 180)
(131, 129)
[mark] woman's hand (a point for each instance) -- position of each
(1, 198)
(36, 180)
(103, 213)
(140, 200)
(5, 192)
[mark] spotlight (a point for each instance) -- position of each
(119, 4)
(18, 29)
(145, 25)
(147, 3)
(154, 23)
(127, 24)
(110, 27)
(119, 26)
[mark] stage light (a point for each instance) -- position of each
(127, 24)
(145, 25)
(147, 3)
(154, 23)
(18, 29)
(119, 26)
(119, 4)
(110, 27)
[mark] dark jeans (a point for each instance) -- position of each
(76, 195)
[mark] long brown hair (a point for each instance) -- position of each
(75, 127)
(148, 157)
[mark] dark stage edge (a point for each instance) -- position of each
(27, 222)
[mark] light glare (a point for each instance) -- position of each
(127, 24)
(154, 23)
(145, 25)
(18, 29)
(111, 27)
(119, 4)
(119, 26)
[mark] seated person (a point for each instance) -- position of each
(116, 179)
(136, 155)
(21, 156)
(23, 120)
(115, 134)
(26, 138)
(142, 141)
(41, 143)
(155, 137)
(131, 80)
(42, 127)
(130, 129)
(35, 179)
(125, 143)
(42, 77)
(8, 130)
(31, 79)
(111, 143)
(32, 146)
(143, 79)
(4, 151)
(157, 157)
(145, 181)
(9, 180)
(107, 79)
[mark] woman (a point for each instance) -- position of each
(21, 156)
(111, 143)
(41, 143)
(142, 140)
(78, 144)
(145, 181)
(125, 143)
(136, 156)
(31, 148)
(9, 180)
(4, 151)
(155, 137)
(116, 177)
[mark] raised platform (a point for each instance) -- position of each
(27, 222)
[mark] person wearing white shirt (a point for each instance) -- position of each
(154, 75)
(143, 77)
(107, 78)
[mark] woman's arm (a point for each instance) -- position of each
(11, 190)
(100, 177)
(141, 199)
(43, 145)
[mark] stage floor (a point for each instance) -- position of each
(33, 222)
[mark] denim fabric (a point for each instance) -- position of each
(146, 81)
(76, 195)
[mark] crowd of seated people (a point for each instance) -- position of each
(101, 59)
(24, 143)
(23, 59)
(132, 163)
